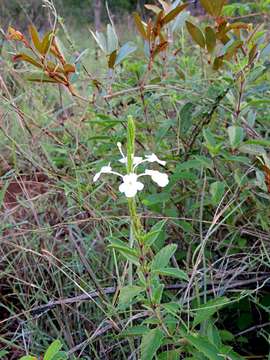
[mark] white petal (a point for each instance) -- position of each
(159, 178)
(105, 169)
(130, 192)
(153, 158)
(96, 177)
(139, 185)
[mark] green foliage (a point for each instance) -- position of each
(155, 275)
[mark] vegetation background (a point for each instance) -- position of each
(66, 272)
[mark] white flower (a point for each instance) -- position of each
(130, 185)
(104, 170)
(153, 158)
(160, 178)
(136, 160)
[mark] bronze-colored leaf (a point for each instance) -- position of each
(172, 14)
(218, 62)
(13, 34)
(160, 47)
(46, 42)
(42, 78)
(153, 8)
(232, 49)
(210, 38)
(27, 58)
(35, 37)
(69, 68)
(253, 53)
(208, 6)
(196, 34)
(112, 59)
(139, 25)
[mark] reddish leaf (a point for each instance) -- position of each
(139, 25)
(27, 58)
(196, 34)
(172, 14)
(210, 38)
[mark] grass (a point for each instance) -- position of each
(59, 279)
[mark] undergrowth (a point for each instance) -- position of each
(180, 270)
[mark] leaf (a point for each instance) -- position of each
(229, 353)
(196, 34)
(153, 8)
(172, 272)
(35, 37)
(151, 341)
(135, 331)
(42, 79)
(208, 6)
(4, 353)
(127, 49)
(169, 355)
(139, 25)
(210, 38)
(217, 189)
(265, 53)
(218, 62)
(27, 58)
(100, 40)
(205, 347)
(112, 39)
(52, 350)
(205, 311)
(28, 357)
(172, 14)
(112, 59)
(127, 293)
(236, 135)
(153, 234)
(162, 258)
(69, 68)
(157, 293)
(46, 42)
(186, 116)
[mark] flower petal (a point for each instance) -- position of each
(159, 178)
(153, 158)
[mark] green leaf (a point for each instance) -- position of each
(135, 331)
(52, 350)
(210, 38)
(169, 355)
(196, 34)
(112, 39)
(127, 49)
(127, 293)
(205, 347)
(173, 272)
(162, 258)
(205, 311)
(236, 135)
(186, 117)
(252, 149)
(28, 357)
(157, 293)
(153, 234)
(230, 353)
(151, 342)
(217, 189)
(4, 353)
